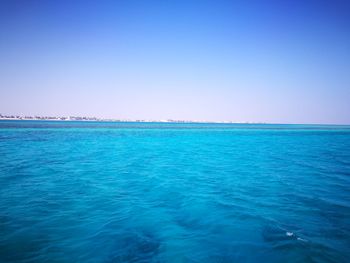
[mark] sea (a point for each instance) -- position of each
(173, 192)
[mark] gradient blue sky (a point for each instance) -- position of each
(256, 61)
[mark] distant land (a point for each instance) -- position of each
(85, 118)
(14, 117)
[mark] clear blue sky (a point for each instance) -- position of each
(257, 61)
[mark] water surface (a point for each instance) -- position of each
(166, 192)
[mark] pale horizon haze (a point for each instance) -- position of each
(242, 61)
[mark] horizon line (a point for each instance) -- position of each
(96, 119)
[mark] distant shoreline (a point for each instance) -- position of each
(136, 121)
(95, 119)
(84, 119)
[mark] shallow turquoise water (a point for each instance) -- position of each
(140, 192)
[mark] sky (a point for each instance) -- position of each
(239, 60)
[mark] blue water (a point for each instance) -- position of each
(141, 192)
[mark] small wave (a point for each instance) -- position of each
(302, 239)
(289, 234)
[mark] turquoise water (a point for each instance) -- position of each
(141, 192)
